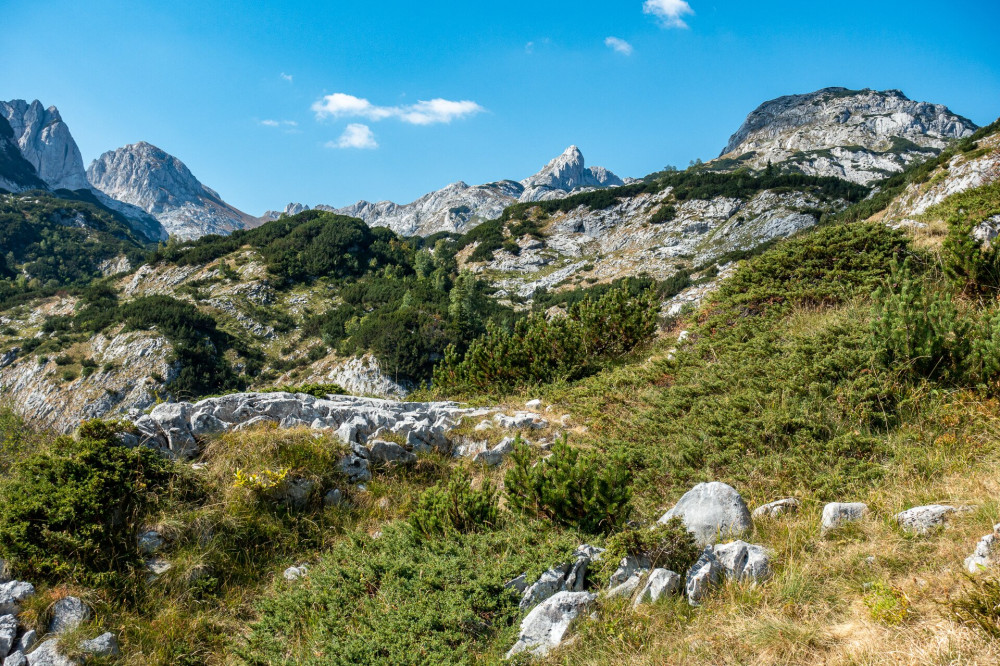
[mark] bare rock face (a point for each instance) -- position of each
(45, 141)
(858, 135)
(160, 184)
(16, 173)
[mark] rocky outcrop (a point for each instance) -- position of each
(986, 554)
(924, 519)
(858, 135)
(160, 184)
(16, 173)
(175, 428)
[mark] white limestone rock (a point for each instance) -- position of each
(924, 519)
(711, 511)
(545, 626)
(837, 514)
(659, 583)
(776, 508)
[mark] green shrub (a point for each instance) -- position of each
(972, 264)
(886, 604)
(455, 506)
(664, 213)
(75, 511)
(402, 599)
(668, 546)
(569, 487)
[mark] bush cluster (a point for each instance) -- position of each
(537, 350)
(455, 506)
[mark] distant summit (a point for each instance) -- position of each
(858, 135)
(459, 206)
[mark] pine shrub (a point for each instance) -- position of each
(668, 546)
(569, 487)
(455, 506)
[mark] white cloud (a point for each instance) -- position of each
(668, 11)
(279, 123)
(355, 135)
(618, 45)
(342, 105)
(529, 47)
(286, 77)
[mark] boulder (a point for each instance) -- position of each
(8, 634)
(776, 508)
(105, 645)
(712, 511)
(533, 405)
(173, 419)
(743, 561)
(702, 576)
(837, 514)
(519, 584)
(520, 421)
(545, 626)
(67, 614)
(924, 519)
(296, 492)
(660, 582)
(156, 567)
(388, 452)
(985, 554)
(12, 593)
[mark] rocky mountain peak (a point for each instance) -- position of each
(46, 143)
(146, 176)
(566, 173)
(859, 135)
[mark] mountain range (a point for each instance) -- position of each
(856, 135)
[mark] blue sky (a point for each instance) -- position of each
(264, 101)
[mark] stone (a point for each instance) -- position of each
(626, 588)
(631, 565)
(48, 654)
(156, 567)
(776, 508)
(496, 455)
(67, 614)
(743, 561)
(333, 498)
(837, 514)
(924, 519)
(12, 594)
(16, 658)
(296, 572)
(659, 583)
(986, 552)
(150, 541)
(27, 640)
(8, 634)
(388, 452)
(519, 584)
(711, 511)
(520, 421)
(703, 575)
(355, 468)
(545, 626)
(533, 405)
(296, 493)
(105, 645)
(549, 583)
